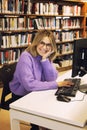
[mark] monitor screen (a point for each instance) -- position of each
(79, 61)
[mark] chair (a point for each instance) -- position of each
(6, 75)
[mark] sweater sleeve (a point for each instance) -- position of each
(50, 73)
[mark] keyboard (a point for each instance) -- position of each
(69, 91)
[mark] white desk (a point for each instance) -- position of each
(43, 109)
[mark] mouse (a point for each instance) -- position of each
(63, 98)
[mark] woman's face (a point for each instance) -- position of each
(44, 46)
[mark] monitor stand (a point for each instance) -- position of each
(83, 88)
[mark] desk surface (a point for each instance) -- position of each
(44, 103)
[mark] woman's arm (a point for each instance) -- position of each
(50, 73)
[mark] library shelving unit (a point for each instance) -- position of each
(85, 20)
(20, 20)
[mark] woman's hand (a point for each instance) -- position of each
(65, 84)
(46, 55)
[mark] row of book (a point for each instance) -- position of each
(13, 6)
(65, 48)
(67, 60)
(70, 35)
(29, 7)
(67, 35)
(71, 23)
(10, 56)
(12, 23)
(16, 40)
(19, 23)
(57, 23)
(72, 10)
(66, 63)
(13, 55)
(25, 39)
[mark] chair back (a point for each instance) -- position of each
(6, 75)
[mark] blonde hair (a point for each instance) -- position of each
(38, 37)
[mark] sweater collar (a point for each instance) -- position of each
(38, 58)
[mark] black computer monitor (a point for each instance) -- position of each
(79, 61)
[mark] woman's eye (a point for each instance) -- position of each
(42, 43)
(49, 45)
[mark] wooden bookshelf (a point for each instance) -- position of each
(85, 18)
(21, 19)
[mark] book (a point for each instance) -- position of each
(21, 23)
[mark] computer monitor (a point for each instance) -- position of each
(79, 61)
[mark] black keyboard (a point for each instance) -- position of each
(69, 91)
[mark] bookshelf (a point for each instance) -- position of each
(20, 20)
(85, 20)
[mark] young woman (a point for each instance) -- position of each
(35, 70)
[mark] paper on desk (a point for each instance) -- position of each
(84, 79)
(79, 97)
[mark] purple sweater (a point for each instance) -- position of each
(32, 74)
